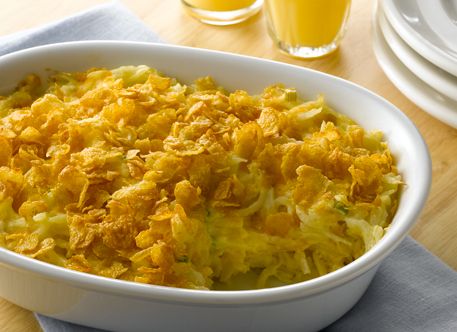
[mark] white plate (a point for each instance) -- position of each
(411, 86)
(428, 26)
(437, 78)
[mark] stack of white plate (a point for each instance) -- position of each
(415, 43)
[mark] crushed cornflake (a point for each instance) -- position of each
(129, 174)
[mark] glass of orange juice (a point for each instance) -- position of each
(222, 12)
(307, 28)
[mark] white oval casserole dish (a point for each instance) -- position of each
(125, 306)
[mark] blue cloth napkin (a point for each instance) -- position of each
(110, 21)
(412, 291)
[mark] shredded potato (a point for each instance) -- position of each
(129, 174)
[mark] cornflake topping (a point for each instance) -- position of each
(129, 174)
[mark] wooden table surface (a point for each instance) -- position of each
(436, 229)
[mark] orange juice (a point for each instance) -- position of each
(307, 23)
(220, 5)
(222, 12)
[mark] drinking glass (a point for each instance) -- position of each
(307, 28)
(222, 12)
